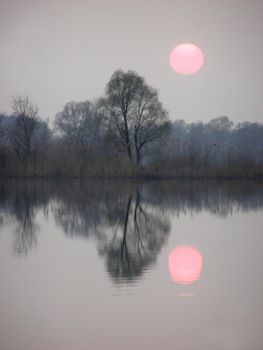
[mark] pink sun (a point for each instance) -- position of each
(186, 59)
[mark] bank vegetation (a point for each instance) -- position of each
(125, 134)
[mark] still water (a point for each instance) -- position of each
(126, 265)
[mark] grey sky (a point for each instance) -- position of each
(61, 50)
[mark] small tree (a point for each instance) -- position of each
(79, 123)
(81, 126)
(26, 119)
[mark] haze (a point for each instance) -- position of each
(60, 50)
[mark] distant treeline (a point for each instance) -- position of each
(125, 133)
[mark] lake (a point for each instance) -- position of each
(131, 265)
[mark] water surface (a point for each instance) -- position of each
(126, 265)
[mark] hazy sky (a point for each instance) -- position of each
(60, 50)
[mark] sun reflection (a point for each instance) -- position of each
(185, 264)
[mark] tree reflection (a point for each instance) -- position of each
(20, 201)
(134, 243)
(25, 232)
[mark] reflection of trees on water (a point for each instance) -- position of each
(20, 200)
(135, 241)
(129, 232)
(25, 232)
(220, 198)
(83, 208)
(128, 220)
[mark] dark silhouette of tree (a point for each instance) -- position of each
(81, 126)
(134, 113)
(80, 123)
(26, 118)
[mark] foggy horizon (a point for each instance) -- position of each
(61, 51)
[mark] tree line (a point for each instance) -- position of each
(125, 133)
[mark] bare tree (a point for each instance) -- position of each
(26, 119)
(79, 122)
(135, 116)
(81, 125)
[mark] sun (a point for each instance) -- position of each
(187, 59)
